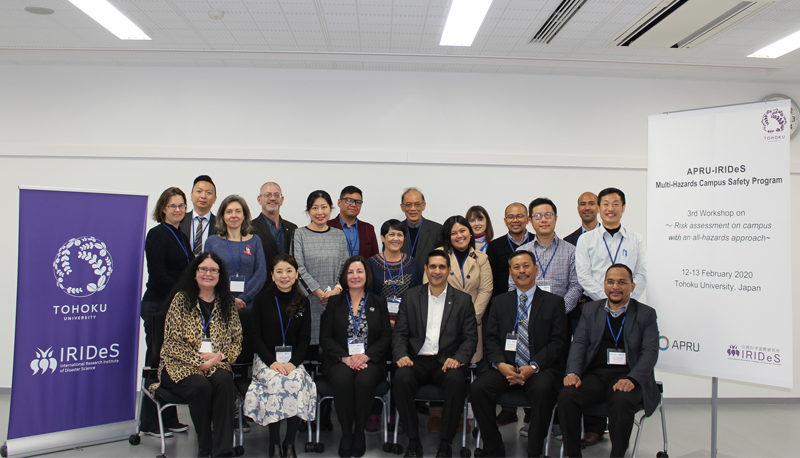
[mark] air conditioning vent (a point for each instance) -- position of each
(562, 14)
(685, 23)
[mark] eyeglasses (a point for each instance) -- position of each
(207, 270)
(276, 195)
(621, 283)
(513, 217)
(416, 205)
(351, 201)
(174, 207)
(548, 215)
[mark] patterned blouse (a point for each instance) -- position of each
(363, 329)
(183, 334)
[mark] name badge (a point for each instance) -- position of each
(237, 283)
(206, 346)
(393, 304)
(283, 354)
(355, 348)
(511, 342)
(616, 357)
(544, 287)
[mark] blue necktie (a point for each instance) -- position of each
(523, 347)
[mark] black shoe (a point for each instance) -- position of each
(506, 417)
(445, 450)
(288, 451)
(179, 428)
(414, 450)
(346, 447)
(498, 452)
(359, 444)
(325, 417)
(203, 453)
(422, 408)
(275, 451)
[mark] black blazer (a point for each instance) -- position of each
(641, 345)
(458, 338)
(259, 227)
(186, 226)
(430, 238)
(498, 252)
(573, 238)
(333, 330)
(547, 326)
(266, 328)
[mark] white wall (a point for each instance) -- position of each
(145, 129)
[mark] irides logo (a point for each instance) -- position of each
(89, 273)
(44, 360)
(733, 351)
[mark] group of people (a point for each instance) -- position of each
(556, 319)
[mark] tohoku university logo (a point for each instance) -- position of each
(89, 270)
(773, 121)
(44, 360)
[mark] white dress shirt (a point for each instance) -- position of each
(435, 312)
(206, 230)
(592, 259)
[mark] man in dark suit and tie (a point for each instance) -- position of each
(422, 235)
(526, 342)
(434, 338)
(275, 232)
(200, 223)
(612, 357)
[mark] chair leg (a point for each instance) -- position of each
(161, 429)
(549, 429)
(663, 425)
(639, 427)
(464, 424)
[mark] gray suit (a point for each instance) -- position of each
(429, 238)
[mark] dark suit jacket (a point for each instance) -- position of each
(498, 252)
(430, 237)
(259, 227)
(367, 241)
(186, 225)
(547, 326)
(458, 336)
(333, 330)
(573, 238)
(641, 345)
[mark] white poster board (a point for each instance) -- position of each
(719, 241)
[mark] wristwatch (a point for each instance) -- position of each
(535, 367)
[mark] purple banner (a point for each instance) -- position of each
(76, 344)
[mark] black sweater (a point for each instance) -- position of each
(267, 326)
(166, 261)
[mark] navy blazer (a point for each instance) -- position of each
(641, 345)
(333, 330)
(367, 241)
(458, 336)
(547, 326)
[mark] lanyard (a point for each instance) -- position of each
(614, 259)
(278, 238)
(510, 245)
(351, 247)
(360, 313)
(484, 247)
(544, 268)
(203, 228)
(616, 339)
(231, 252)
(419, 229)
(461, 267)
(525, 313)
(179, 243)
(280, 315)
(399, 274)
(206, 325)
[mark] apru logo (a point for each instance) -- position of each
(44, 360)
(88, 275)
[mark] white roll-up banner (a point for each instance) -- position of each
(719, 241)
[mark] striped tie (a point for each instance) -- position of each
(198, 236)
(523, 347)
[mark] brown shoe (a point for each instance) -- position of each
(435, 423)
(590, 439)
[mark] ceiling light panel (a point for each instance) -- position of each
(114, 20)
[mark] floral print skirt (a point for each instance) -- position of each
(273, 396)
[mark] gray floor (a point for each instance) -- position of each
(745, 430)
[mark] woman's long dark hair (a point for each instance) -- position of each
(188, 285)
(297, 296)
(447, 228)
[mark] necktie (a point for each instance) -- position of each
(523, 349)
(198, 236)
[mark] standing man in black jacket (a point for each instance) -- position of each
(275, 232)
(423, 235)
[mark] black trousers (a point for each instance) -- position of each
(428, 370)
(353, 392)
(541, 396)
(211, 399)
(148, 415)
(596, 387)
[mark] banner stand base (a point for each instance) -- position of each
(714, 396)
(65, 440)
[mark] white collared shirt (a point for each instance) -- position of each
(592, 259)
(193, 227)
(435, 312)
